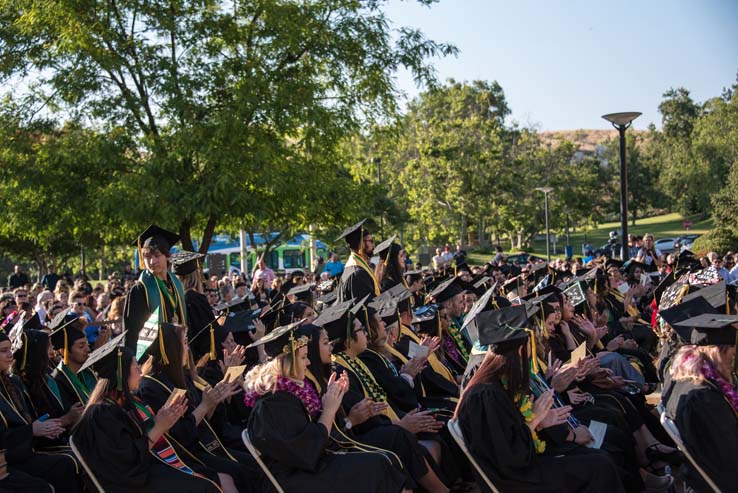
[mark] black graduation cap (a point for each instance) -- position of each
(688, 260)
(271, 315)
(716, 295)
(478, 307)
(697, 305)
(513, 285)
(412, 276)
(447, 290)
(328, 298)
(538, 271)
(110, 360)
(631, 265)
(386, 309)
(541, 293)
(337, 320)
(675, 292)
(281, 340)
(240, 321)
(354, 235)
(303, 292)
(503, 329)
(383, 249)
(708, 329)
(59, 319)
(184, 262)
(462, 267)
(427, 319)
(228, 305)
(665, 283)
(64, 338)
(156, 238)
(613, 262)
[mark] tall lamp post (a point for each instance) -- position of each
(622, 121)
(546, 191)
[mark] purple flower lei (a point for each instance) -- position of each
(709, 372)
(305, 392)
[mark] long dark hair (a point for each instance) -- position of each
(393, 270)
(319, 370)
(32, 364)
(107, 385)
(175, 354)
(508, 365)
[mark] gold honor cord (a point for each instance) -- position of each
(435, 363)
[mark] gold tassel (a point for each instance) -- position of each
(440, 329)
(212, 344)
(534, 355)
(293, 368)
(66, 348)
(164, 358)
(119, 371)
(25, 350)
(361, 240)
(368, 325)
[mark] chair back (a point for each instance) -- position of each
(257, 456)
(673, 432)
(87, 468)
(455, 430)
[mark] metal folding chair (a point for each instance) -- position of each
(257, 456)
(453, 428)
(87, 468)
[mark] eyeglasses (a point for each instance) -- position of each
(79, 303)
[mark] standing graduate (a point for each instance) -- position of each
(292, 425)
(19, 427)
(74, 386)
(125, 443)
(155, 288)
(500, 420)
(703, 401)
(358, 279)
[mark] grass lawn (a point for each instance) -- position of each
(664, 226)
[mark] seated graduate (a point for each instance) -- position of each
(19, 427)
(703, 399)
(449, 295)
(350, 338)
(32, 365)
(71, 341)
(125, 443)
(294, 427)
(193, 432)
(392, 266)
(500, 422)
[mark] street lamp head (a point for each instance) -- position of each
(545, 189)
(622, 119)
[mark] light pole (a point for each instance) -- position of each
(622, 121)
(546, 191)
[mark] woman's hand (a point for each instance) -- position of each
(333, 396)
(235, 358)
(555, 416)
(577, 397)
(72, 415)
(51, 428)
(419, 422)
(564, 378)
(582, 436)
(432, 343)
(615, 344)
(259, 330)
(541, 407)
(413, 366)
(169, 415)
(553, 369)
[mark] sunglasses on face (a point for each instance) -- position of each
(79, 303)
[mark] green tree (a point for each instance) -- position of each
(226, 101)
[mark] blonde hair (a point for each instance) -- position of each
(262, 379)
(687, 362)
(193, 280)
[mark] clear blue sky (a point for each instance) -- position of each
(563, 64)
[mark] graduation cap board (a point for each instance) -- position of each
(576, 294)
(56, 322)
(384, 247)
(674, 293)
(706, 276)
(708, 329)
(102, 351)
(469, 324)
(184, 262)
(148, 334)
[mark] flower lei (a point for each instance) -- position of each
(731, 395)
(302, 390)
(525, 406)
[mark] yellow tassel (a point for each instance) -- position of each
(66, 348)
(368, 325)
(534, 355)
(293, 368)
(213, 356)
(361, 240)
(164, 358)
(440, 329)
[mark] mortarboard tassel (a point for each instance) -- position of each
(348, 330)
(534, 355)
(361, 240)
(368, 326)
(212, 343)
(164, 358)
(25, 351)
(119, 371)
(293, 368)
(66, 348)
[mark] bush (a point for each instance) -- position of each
(720, 240)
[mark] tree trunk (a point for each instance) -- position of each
(207, 235)
(463, 229)
(185, 238)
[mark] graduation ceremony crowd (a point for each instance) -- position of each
(532, 377)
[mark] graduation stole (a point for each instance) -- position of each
(356, 259)
(458, 340)
(435, 363)
(630, 309)
(369, 385)
(54, 389)
(155, 289)
(162, 449)
(82, 384)
(386, 362)
(212, 446)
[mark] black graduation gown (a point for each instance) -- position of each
(298, 452)
(435, 384)
(199, 315)
(499, 440)
(200, 440)
(136, 311)
(16, 436)
(70, 394)
(355, 283)
(48, 403)
(708, 426)
(400, 395)
(117, 450)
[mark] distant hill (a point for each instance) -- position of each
(586, 140)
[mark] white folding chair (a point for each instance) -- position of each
(673, 432)
(87, 468)
(257, 456)
(453, 428)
